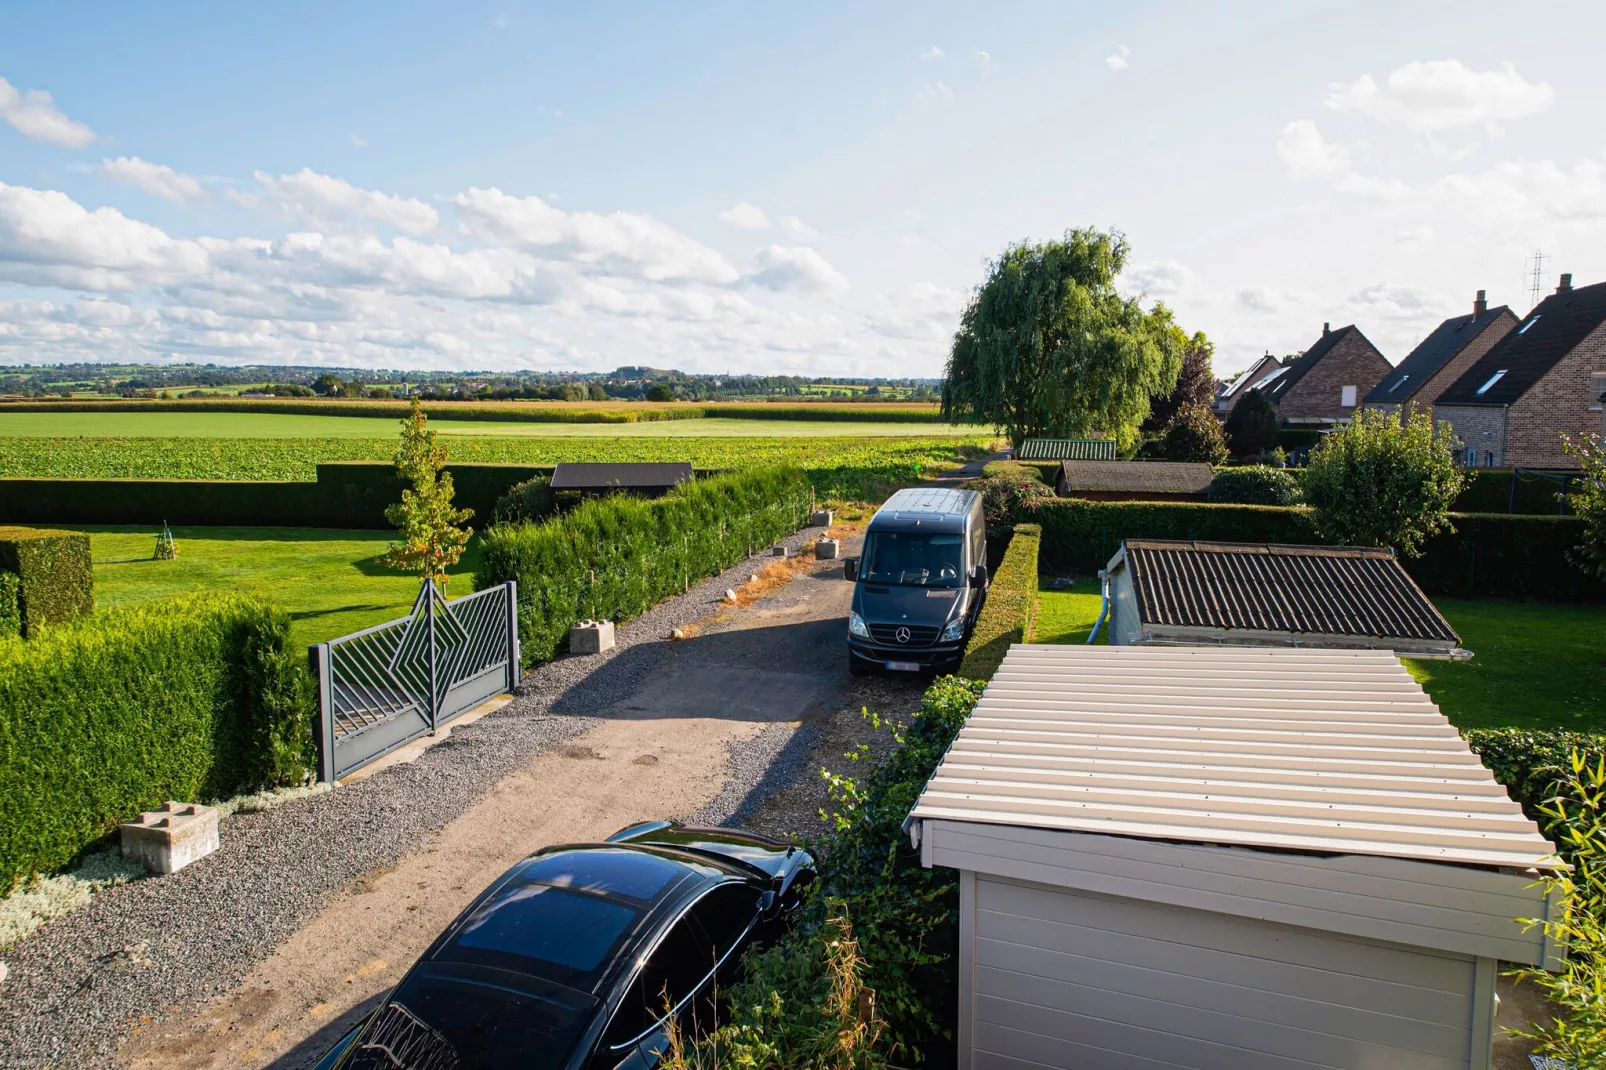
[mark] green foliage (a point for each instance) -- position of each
(1297, 438)
(10, 607)
(1534, 765)
(1587, 497)
(431, 542)
(1194, 435)
(1254, 485)
(1007, 615)
(1082, 536)
(614, 557)
(1004, 486)
(1196, 386)
(1507, 556)
(1047, 348)
(55, 573)
(1252, 425)
(187, 698)
(1488, 490)
(660, 392)
(530, 500)
(1381, 482)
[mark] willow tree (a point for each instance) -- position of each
(1048, 348)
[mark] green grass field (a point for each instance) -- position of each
(1534, 666)
(280, 425)
(331, 582)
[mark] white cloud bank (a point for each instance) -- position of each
(34, 114)
(309, 195)
(156, 179)
(1443, 94)
(745, 216)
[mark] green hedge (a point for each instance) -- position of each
(1488, 490)
(612, 558)
(1533, 765)
(1082, 536)
(1256, 484)
(10, 606)
(187, 698)
(56, 581)
(1007, 616)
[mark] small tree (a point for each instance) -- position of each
(1196, 385)
(1587, 497)
(431, 542)
(1379, 482)
(1252, 425)
(660, 392)
(1194, 434)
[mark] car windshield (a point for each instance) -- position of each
(545, 931)
(456, 1017)
(914, 558)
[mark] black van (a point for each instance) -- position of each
(919, 583)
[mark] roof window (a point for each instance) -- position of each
(1493, 379)
(1399, 383)
(1524, 328)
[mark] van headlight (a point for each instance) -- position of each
(856, 625)
(954, 632)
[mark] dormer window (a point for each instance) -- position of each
(1493, 379)
(1524, 330)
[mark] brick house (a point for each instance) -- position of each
(1540, 381)
(1442, 357)
(1325, 386)
(1256, 374)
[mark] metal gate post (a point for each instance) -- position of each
(513, 670)
(326, 713)
(434, 683)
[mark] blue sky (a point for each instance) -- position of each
(740, 188)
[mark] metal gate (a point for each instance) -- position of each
(386, 686)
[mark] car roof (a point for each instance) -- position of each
(931, 508)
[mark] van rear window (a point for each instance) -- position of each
(914, 558)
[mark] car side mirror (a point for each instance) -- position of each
(979, 577)
(850, 569)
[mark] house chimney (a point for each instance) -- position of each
(1566, 283)
(1327, 329)
(1481, 304)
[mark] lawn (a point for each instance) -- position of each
(331, 581)
(1534, 665)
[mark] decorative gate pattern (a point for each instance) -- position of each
(388, 685)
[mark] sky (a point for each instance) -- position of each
(802, 189)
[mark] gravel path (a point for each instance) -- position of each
(141, 950)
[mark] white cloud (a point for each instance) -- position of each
(309, 195)
(986, 64)
(1163, 280)
(935, 92)
(932, 53)
(1392, 301)
(156, 179)
(358, 142)
(1443, 94)
(797, 228)
(623, 242)
(33, 114)
(47, 238)
(1311, 157)
(800, 269)
(1116, 60)
(746, 216)
(920, 311)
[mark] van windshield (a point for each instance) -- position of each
(914, 558)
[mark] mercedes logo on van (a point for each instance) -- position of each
(901, 635)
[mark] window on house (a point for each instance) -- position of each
(1524, 328)
(1471, 458)
(1597, 387)
(1398, 383)
(1346, 396)
(1493, 379)
(1488, 458)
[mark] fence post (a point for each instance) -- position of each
(326, 714)
(429, 631)
(513, 669)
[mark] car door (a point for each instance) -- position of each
(673, 972)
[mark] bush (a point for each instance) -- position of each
(10, 607)
(1523, 558)
(613, 558)
(1252, 425)
(56, 582)
(531, 500)
(1254, 485)
(1380, 482)
(1533, 765)
(1004, 486)
(1194, 435)
(187, 698)
(1488, 490)
(1007, 616)
(1587, 496)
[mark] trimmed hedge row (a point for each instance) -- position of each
(613, 558)
(187, 698)
(1488, 490)
(10, 608)
(1534, 766)
(1488, 556)
(1007, 616)
(55, 576)
(519, 412)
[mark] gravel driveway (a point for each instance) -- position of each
(772, 672)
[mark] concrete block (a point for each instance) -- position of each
(821, 518)
(167, 839)
(777, 551)
(827, 549)
(591, 637)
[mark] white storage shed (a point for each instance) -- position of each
(1226, 858)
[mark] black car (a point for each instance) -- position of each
(578, 957)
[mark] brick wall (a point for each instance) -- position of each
(1479, 427)
(1352, 362)
(1556, 404)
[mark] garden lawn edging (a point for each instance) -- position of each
(1007, 616)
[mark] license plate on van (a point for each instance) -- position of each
(903, 666)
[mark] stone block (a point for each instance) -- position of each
(777, 551)
(827, 549)
(591, 636)
(821, 518)
(167, 839)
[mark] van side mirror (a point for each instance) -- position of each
(850, 569)
(979, 577)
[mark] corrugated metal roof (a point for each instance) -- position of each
(1138, 477)
(1333, 751)
(1316, 590)
(1067, 449)
(587, 476)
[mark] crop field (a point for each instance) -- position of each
(592, 412)
(214, 424)
(297, 458)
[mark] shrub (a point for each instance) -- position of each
(1007, 616)
(531, 500)
(10, 608)
(186, 698)
(1254, 485)
(614, 557)
(1252, 425)
(1194, 435)
(1003, 486)
(55, 577)
(1587, 496)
